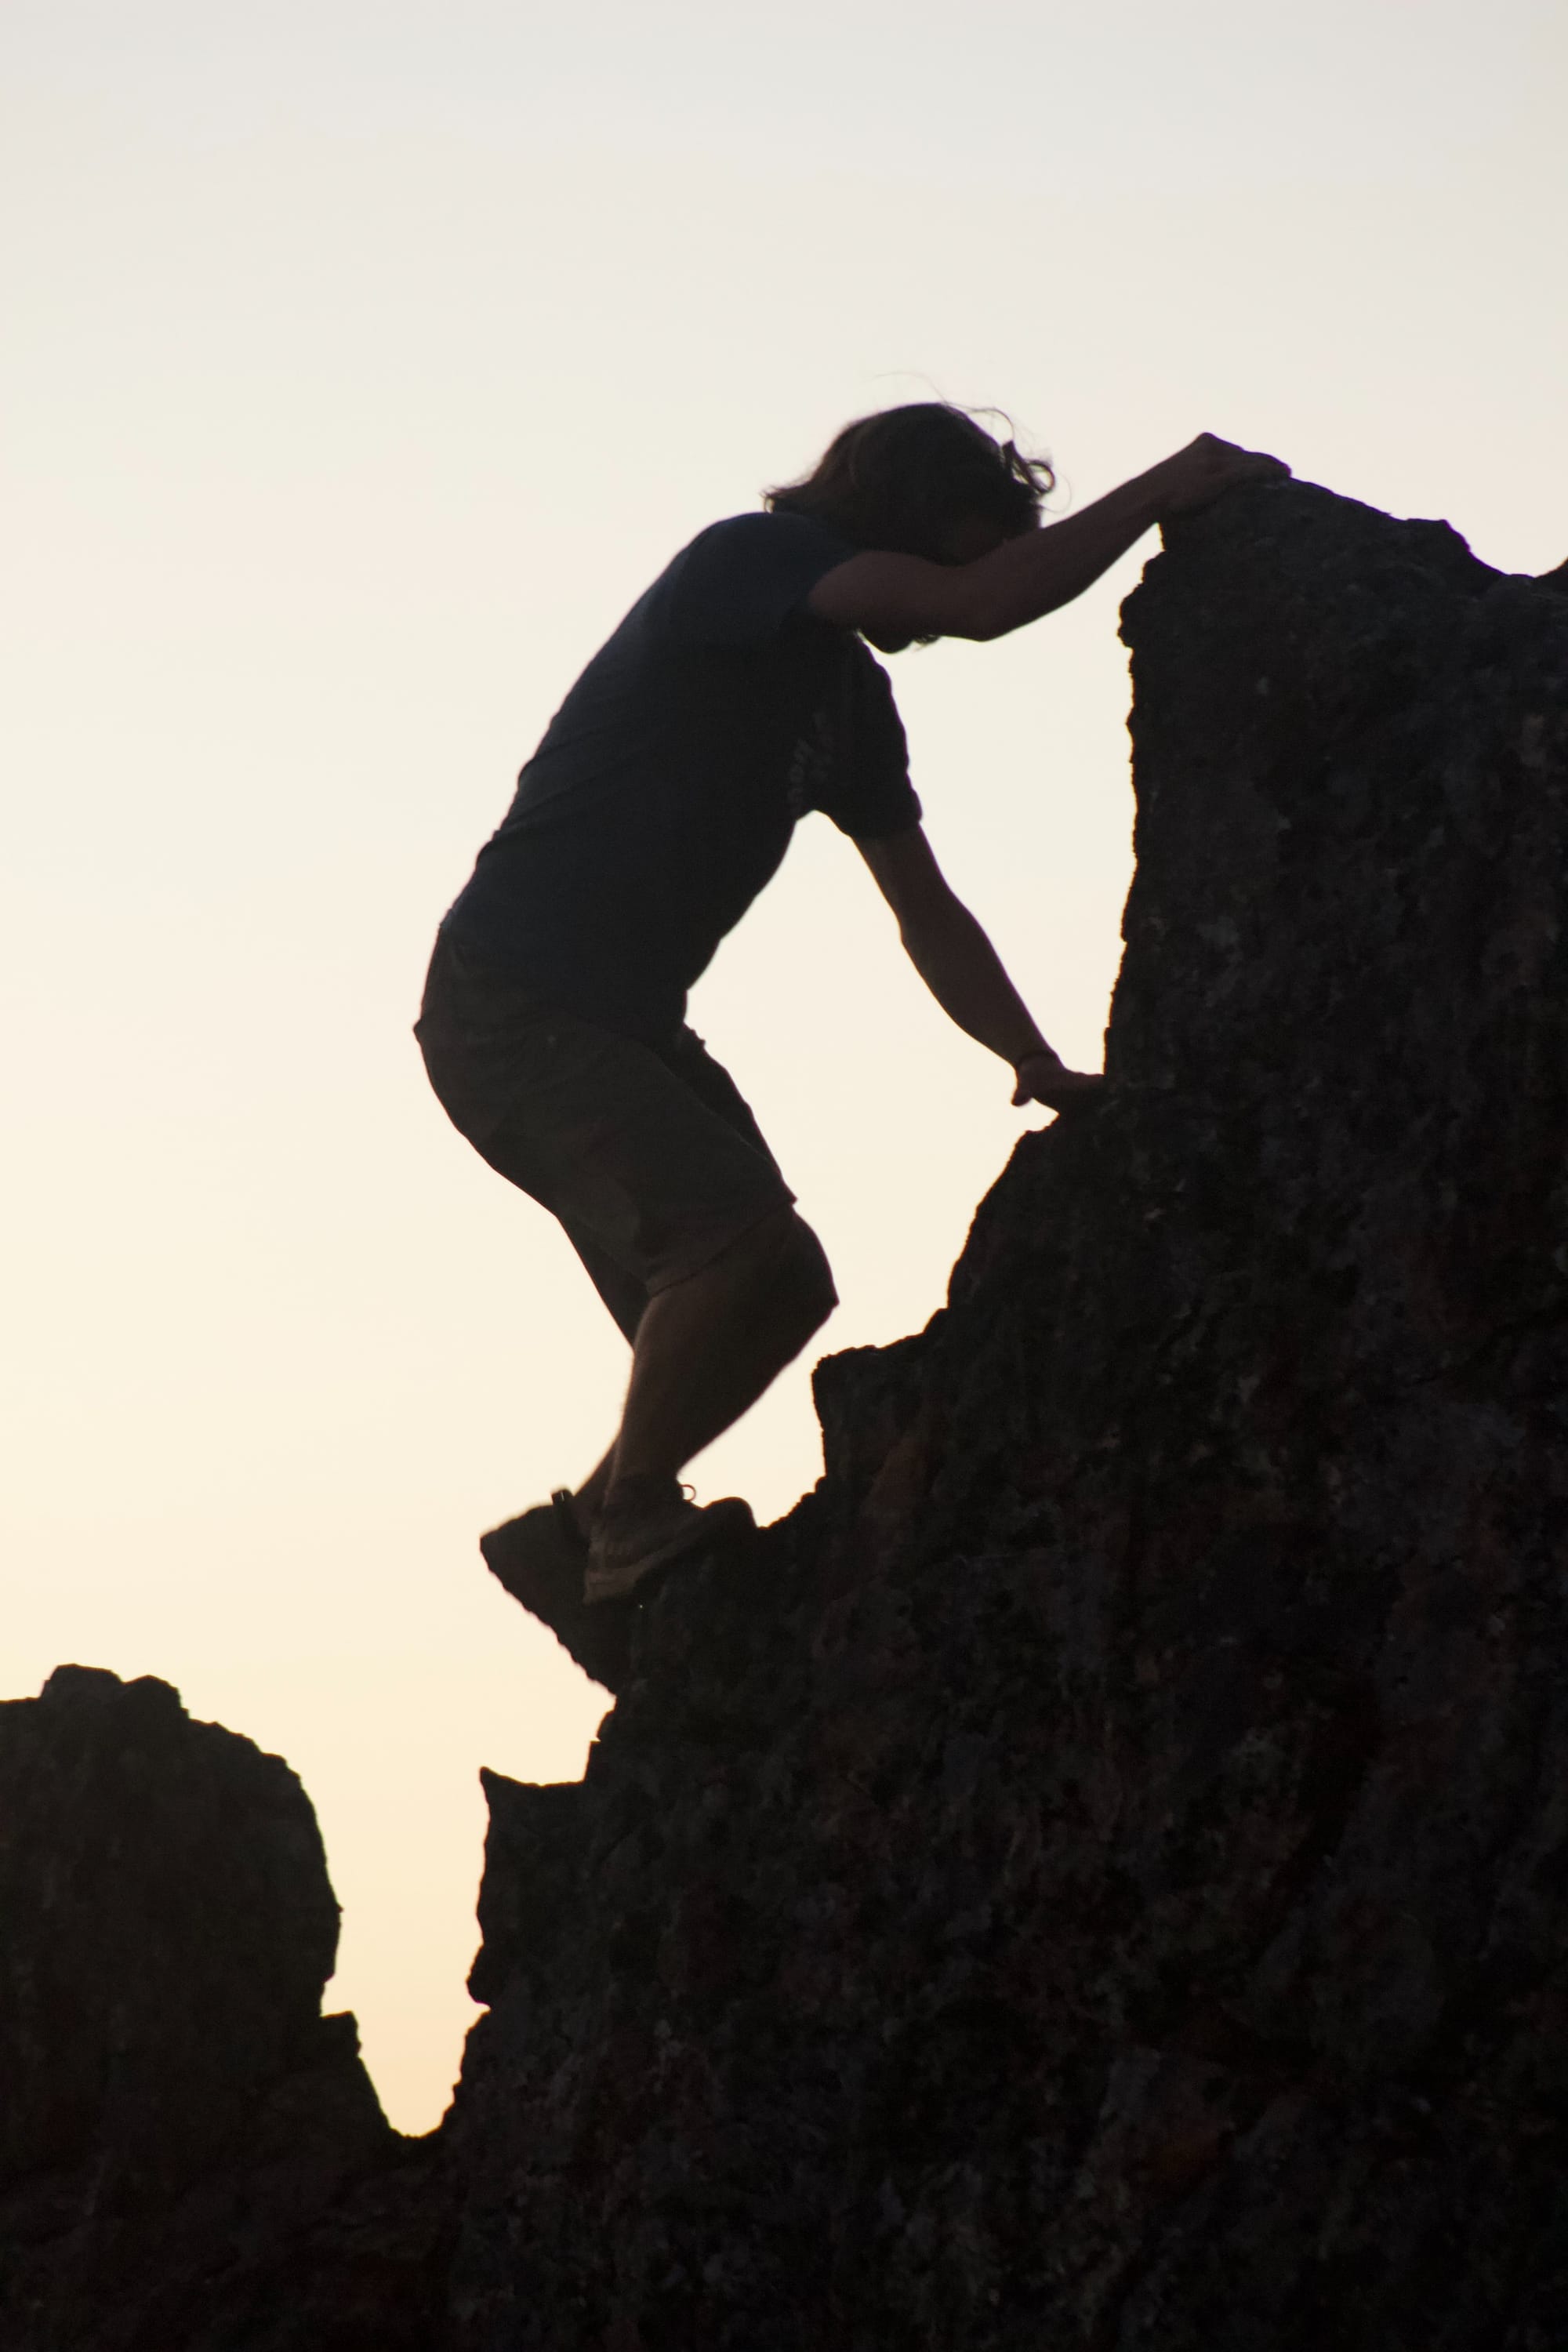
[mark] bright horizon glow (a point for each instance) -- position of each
(364, 367)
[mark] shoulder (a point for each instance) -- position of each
(762, 530)
(739, 580)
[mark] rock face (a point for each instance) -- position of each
(182, 2132)
(1095, 1877)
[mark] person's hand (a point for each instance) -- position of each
(1044, 1077)
(1206, 468)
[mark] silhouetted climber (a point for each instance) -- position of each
(737, 695)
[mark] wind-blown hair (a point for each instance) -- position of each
(901, 479)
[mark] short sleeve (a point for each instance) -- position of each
(868, 794)
(738, 582)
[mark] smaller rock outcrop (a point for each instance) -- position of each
(190, 2153)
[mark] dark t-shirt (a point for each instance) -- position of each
(669, 782)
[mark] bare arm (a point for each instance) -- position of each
(894, 598)
(963, 971)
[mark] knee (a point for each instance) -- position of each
(809, 1277)
(787, 1272)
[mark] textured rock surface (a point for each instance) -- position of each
(1098, 1878)
(1095, 1877)
(190, 2154)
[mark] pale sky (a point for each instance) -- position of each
(364, 364)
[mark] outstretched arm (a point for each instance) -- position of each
(894, 598)
(963, 971)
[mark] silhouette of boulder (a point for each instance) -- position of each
(181, 2130)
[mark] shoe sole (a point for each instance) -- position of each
(719, 1523)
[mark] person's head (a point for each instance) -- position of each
(926, 480)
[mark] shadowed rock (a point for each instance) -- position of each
(183, 2135)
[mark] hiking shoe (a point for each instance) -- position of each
(539, 1559)
(563, 1510)
(642, 1534)
(544, 1549)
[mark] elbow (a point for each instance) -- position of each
(994, 625)
(981, 618)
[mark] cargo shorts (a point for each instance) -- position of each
(647, 1155)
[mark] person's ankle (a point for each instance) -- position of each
(639, 1493)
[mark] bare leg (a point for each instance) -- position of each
(707, 1348)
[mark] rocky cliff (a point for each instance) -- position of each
(1094, 1877)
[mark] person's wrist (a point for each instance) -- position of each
(1037, 1053)
(1137, 504)
(1162, 488)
